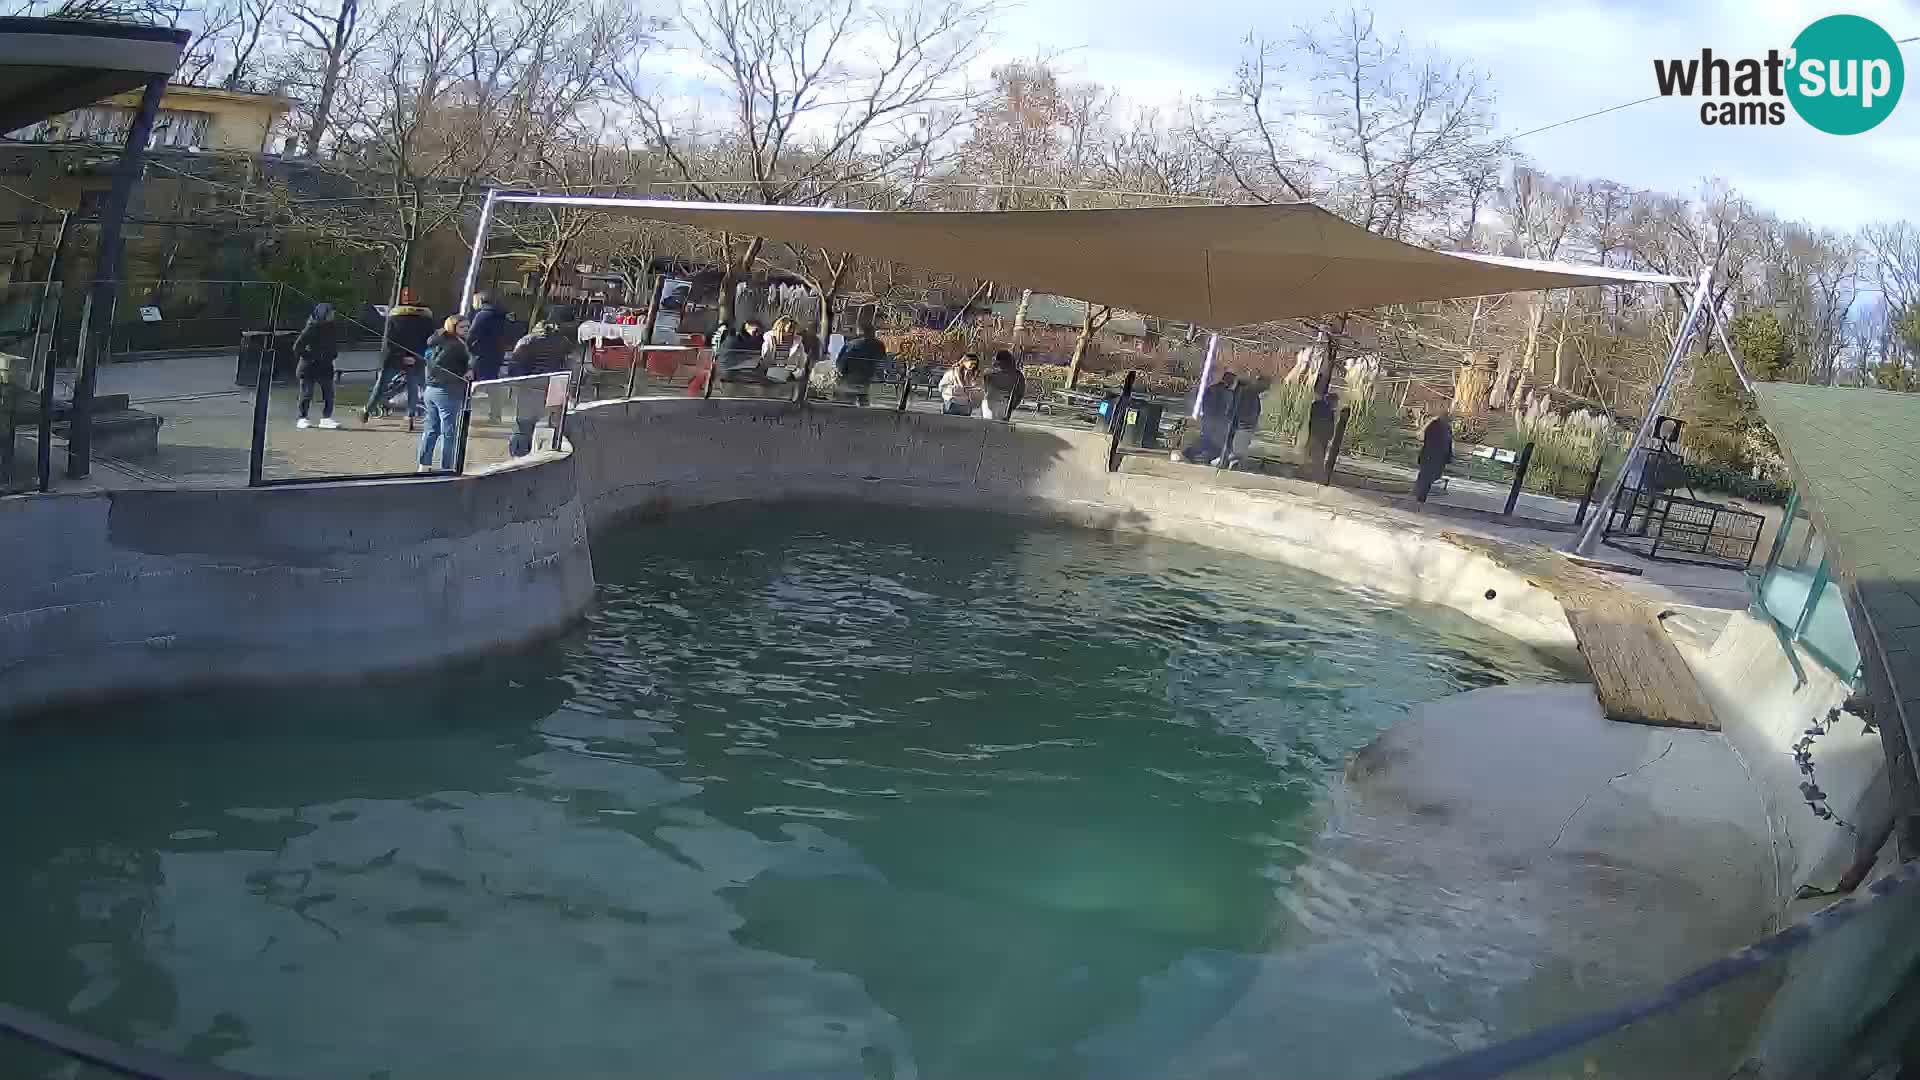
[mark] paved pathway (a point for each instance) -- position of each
(208, 426)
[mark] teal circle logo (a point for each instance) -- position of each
(1846, 75)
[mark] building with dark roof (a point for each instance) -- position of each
(1855, 459)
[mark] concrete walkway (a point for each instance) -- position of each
(208, 425)
(207, 428)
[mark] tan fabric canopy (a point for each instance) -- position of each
(1217, 266)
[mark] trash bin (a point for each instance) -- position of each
(1146, 424)
(256, 343)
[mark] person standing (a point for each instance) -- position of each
(1320, 422)
(961, 388)
(408, 327)
(859, 359)
(1216, 414)
(1247, 421)
(1003, 387)
(488, 336)
(315, 351)
(543, 352)
(448, 365)
(1436, 451)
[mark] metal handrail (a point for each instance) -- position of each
(92, 1049)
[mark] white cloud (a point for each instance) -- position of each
(1549, 63)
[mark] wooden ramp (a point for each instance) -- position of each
(1638, 673)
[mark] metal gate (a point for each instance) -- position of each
(1670, 528)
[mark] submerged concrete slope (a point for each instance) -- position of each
(135, 591)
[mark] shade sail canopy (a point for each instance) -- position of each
(1217, 266)
(49, 66)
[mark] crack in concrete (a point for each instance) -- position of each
(1655, 759)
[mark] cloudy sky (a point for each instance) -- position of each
(1549, 62)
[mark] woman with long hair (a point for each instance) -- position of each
(449, 365)
(961, 388)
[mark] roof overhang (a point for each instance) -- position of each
(51, 66)
(1217, 266)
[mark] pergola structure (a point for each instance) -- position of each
(1213, 266)
(50, 66)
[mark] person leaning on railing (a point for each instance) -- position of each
(961, 389)
(543, 352)
(448, 363)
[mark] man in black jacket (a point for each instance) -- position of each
(401, 365)
(856, 364)
(543, 352)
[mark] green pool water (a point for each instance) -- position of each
(816, 791)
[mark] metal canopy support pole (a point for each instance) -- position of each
(1637, 451)
(1206, 374)
(472, 280)
(646, 334)
(106, 278)
(1720, 328)
(49, 300)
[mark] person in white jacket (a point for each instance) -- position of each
(783, 348)
(961, 388)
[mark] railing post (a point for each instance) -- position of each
(646, 335)
(1118, 422)
(1519, 477)
(1814, 593)
(263, 393)
(1333, 448)
(466, 425)
(55, 265)
(1233, 426)
(1586, 497)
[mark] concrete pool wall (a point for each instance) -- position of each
(138, 591)
(125, 592)
(652, 456)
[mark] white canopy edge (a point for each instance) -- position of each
(1217, 266)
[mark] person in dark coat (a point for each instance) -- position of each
(315, 350)
(1320, 421)
(489, 335)
(1216, 415)
(857, 362)
(402, 365)
(448, 364)
(543, 352)
(1436, 450)
(1002, 387)
(736, 353)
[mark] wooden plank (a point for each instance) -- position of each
(1638, 674)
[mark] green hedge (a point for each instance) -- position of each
(1705, 476)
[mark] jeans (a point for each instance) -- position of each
(323, 380)
(959, 408)
(443, 425)
(529, 404)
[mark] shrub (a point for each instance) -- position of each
(1708, 476)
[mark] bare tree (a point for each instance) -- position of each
(329, 39)
(821, 96)
(1093, 318)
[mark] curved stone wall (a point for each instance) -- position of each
(132, 591)
(655, 455)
